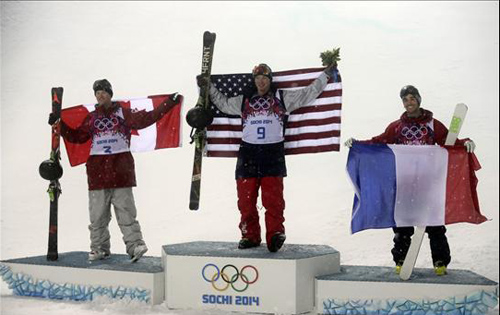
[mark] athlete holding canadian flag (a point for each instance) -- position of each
(110, 167)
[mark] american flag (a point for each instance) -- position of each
(312, 128)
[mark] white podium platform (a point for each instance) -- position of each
(73, 277)
(379, 290)
(218, 276)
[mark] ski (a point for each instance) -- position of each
(199, 136)
(416, 240)
(54, 186)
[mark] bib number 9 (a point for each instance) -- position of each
(261, 132)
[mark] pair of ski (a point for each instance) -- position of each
(200, 135)
(55, 172)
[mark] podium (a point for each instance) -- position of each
(212, 276)
(379, 290)
(218, 275)
(73, 277)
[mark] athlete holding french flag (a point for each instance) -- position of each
(417, 126)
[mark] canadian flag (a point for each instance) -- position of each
(165, 133)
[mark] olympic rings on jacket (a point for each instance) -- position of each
(261, 102)
(414, 132)
(230, 278)
(105, 123)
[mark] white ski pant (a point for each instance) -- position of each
(100, 202)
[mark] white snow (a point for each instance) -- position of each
(449, 50)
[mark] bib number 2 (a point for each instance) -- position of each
(261, 133)
(107, 149)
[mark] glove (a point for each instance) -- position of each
(53, 117)
(330, 70)
(202, 81)
(470, 146)
(349, 142)
(174, 98)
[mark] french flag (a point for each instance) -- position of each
(404, 185)
(165, 133)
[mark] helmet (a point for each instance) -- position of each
(50, 170)
(262, 69)
(410, 89)
(103, 85)
(199, 117)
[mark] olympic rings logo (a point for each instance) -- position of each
(414, 132)
(105, 123)
(229, 276)
(260, 102)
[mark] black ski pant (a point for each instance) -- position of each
(437, 236)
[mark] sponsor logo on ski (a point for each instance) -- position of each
(229, 277)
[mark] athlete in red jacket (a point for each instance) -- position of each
(416, 126)
(110, 168)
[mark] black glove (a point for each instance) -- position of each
(330, 70)
(53, 117)
(202, 81)
(174, 98)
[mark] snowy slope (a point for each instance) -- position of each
(449, 50)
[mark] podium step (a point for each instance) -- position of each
(218, 276)
(379, 290)
(73, 277)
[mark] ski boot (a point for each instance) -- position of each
(98, 255)
(277, 241)
(139, 251)
(440, 269)
(246, 243)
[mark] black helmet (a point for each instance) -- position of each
(103, 85)
(199, 117)
(50, 170)
(410, 89)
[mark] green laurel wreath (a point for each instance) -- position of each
(330, 57)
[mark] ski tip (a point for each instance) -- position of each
(52, 257)
(404, 277)
(208, 36)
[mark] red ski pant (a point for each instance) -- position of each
(272, 200)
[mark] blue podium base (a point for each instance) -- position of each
(379, 290)
(73, 277)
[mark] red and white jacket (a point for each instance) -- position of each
(422, 130)
(110, 164)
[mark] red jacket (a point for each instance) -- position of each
(112, 166)
(414, 131)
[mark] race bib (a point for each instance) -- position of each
(109, 135)
(263, 120)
